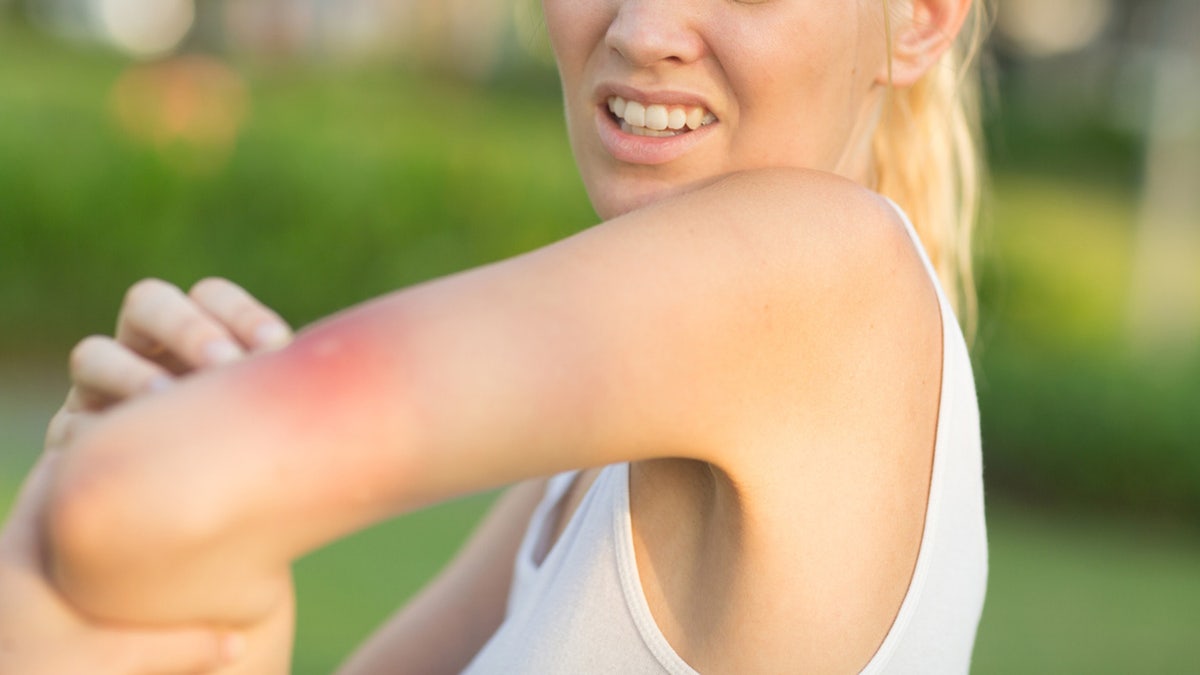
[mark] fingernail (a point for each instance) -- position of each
(233, 646)
(272, 336)
(160, 383)
(220, 352)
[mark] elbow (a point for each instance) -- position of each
(82, 545)
(109, 536)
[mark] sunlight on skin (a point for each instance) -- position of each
(143, 467)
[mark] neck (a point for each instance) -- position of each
(857, 161)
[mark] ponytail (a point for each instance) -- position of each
(927, 158)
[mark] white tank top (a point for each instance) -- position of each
(582, 609)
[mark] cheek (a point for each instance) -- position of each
(801, 110)
(574, 28)
(555, 15)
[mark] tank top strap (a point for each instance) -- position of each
(920, 246)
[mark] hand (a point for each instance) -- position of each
(41, 635)
(163, 334)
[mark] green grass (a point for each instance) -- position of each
(1085, 594)
(347, 589)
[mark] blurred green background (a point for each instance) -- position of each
(322, 153)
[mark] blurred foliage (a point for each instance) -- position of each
(1070, 411)
(347, 183)
(343, 185)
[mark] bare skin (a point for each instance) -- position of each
(762, 344)
(197, 502)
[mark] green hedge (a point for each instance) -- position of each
(1072, 413)
(1101, 433)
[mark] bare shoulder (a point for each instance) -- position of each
(808, 242)
(836, 228)
(795, 206)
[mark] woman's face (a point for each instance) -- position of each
(703, 88)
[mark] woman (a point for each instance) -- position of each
(749, 390)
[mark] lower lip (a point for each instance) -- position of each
(633, 149)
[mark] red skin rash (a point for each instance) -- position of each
(341, 364)
(336, 401)
(309, 442)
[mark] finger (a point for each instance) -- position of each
(137, 652)
(67, 425)
(61, 428)
(156, 316)
(104, 371)
(250, 321)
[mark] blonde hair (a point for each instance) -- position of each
(928, 159)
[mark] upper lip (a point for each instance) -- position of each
(670, 97)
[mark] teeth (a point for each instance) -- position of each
(616, 105)
(646, 131)
(656, 119)
(635, 114)
(677, 119)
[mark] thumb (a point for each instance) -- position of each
(170, 652)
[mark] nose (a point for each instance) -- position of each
(647, 32)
